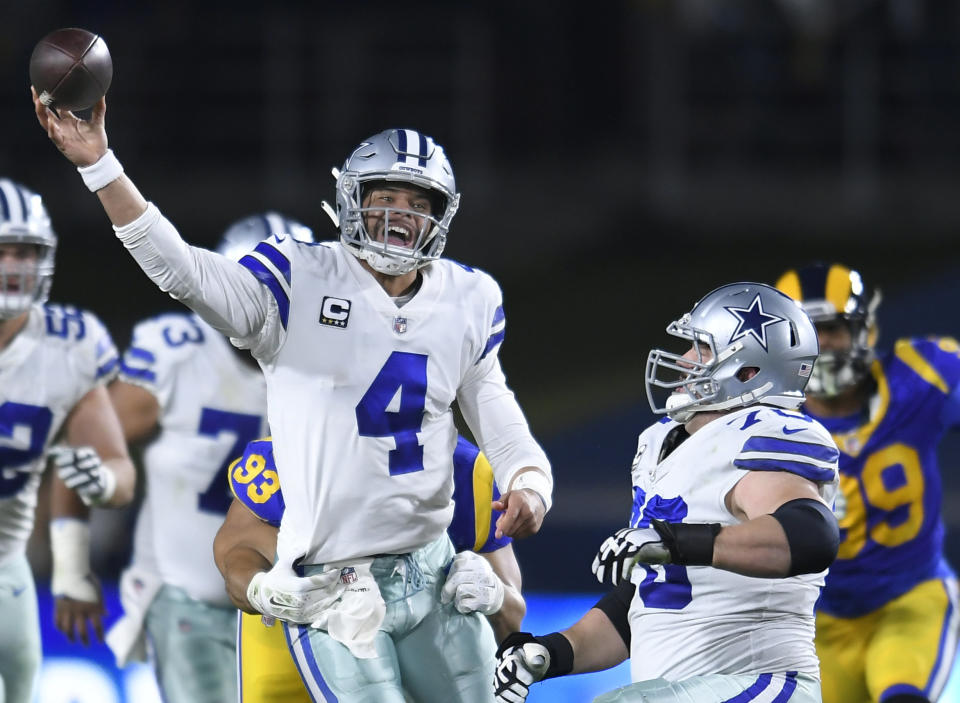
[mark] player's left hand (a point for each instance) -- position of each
(80, 610)
(82, 471)
(618, 554)
(472, 585)
(523, 513)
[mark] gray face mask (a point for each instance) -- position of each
(24, 221)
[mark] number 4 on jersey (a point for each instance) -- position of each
(393, 407)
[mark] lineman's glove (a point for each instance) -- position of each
(618, 554)
(83, 472)
(281, 594)
(472, 585)
(518, 667)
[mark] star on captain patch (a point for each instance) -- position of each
(753, 321)
(399, 325)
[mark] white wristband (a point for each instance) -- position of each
(70, 546)
(536, 481)
(102, 173)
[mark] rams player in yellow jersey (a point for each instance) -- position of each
(887, 617)
(271, 665)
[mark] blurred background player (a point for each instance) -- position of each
(54, 363)
(360, 397)
(193, 401)
(887, 618)
(246, 544)
(733, 485)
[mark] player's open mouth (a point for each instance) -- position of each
(399, 236)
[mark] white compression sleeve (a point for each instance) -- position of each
(221, 291)
(497, 422)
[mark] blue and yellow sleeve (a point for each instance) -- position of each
(936, 360)
(255, 483)
(474, 522)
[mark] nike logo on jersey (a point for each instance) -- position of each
(792, 430)
(18, 591)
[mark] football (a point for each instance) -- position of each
(71, 69)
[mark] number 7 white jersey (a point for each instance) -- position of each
(360, 394)
(696, 620)
(211, 404)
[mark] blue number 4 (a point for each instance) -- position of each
(393, 407)
(216, 499)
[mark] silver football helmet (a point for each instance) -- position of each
(750, 344)
(398, 157)
(834, 293)
(24, 220)
(243, 235)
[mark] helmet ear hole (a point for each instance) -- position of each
(747, 372)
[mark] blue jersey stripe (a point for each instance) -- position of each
(789, 687)
(494, 340)
(809, 471)
(267, 278)
(758, 687)
(280, 262)
(498, 316)
(108, 367)
(819, 452)
(142, 354)
(140, 374)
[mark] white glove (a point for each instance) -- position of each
(83, 472)
(71, 575)
(620, 553)
(517, 669)
(472, 585)
(281, 594)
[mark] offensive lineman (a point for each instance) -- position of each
(730, 532)
(193, 401)
(55, 362)
(365, 344)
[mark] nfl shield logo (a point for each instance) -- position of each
(399, 325)
(348, 575)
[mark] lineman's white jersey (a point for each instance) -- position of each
(211, 404)
(360, 394)
(695, 620)
(60, 355)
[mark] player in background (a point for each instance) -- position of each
(730, 532)
(366, 343)
(192, 401)
(54, 363)
(887, 618)
(247, 541)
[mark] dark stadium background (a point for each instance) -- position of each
(617, 160)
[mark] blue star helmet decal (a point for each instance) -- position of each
(753, 321)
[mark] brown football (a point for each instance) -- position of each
(71, 69)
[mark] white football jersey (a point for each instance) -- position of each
(360, 394)
(695, 620)
(60, 355)
(211, 404)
